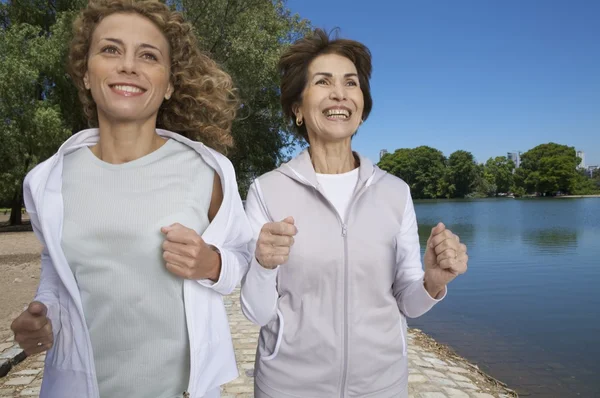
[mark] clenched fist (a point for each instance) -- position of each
(445, 259)
(188, 256)
(274, 243)
(33, 329)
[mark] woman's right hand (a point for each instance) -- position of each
(274, 243)
(33, 329)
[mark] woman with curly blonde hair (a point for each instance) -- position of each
(140, 217)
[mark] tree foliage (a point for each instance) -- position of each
(545, 170)
(39, 105)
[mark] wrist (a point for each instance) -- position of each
(215, 272)
(435, 290)
(265, 266)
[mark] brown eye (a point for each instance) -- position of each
(110, 50)
(149, 56)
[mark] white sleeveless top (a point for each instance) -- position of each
(133, 306)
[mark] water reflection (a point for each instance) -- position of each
(551, 241)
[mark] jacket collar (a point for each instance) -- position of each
(302, 170)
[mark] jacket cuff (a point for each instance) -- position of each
(263, 274)
(222, 285)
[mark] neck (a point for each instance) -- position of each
(332, 157)
(122, 142)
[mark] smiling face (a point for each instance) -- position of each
(332, 101)
(128, 69)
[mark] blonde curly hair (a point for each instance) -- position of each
(204, 101)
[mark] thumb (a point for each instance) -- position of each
(289, 220)
(439, 228)
(37, 309)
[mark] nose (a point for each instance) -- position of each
(338, 92)
(128, 64)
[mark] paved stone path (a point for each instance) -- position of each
(433, 374)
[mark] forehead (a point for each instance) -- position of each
(331, 63)
(130, 27)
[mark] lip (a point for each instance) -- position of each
(126, 93)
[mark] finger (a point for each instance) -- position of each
(184, 235)
(446, 254)
(38, 334)
(37, 308)
(448, 244)
(280, 228)
(29, 323)
(289, 220)
(279, 251)
(462, 248)
(458, 267)
(277, 240)
(277, 259)
(186, 250)
(441, 237)
(36, 341)
(183, 272)
(172, 227)
(448, 264)
(178, 259)
(37, 349)
(438, 229)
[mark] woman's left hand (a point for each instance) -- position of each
(188, 256)
(445, 259)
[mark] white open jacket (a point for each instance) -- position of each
(69, 369)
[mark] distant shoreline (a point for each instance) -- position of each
(578, 196)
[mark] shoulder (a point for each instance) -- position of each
(394, 184)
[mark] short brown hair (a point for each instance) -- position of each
(204, 102)
(293, 70)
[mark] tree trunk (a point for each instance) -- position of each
(15, 210)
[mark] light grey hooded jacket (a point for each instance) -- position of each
(333, 317)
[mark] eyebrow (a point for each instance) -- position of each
(120, 42)
(327, 74)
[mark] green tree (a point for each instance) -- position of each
(462, 173)
(247, 38)
(499, 171)
(583, 184)
(422, 168)
(32, 126)
(548, 168)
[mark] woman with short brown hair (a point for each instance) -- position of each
(336, 268)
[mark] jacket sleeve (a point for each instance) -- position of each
(229, 233)
(412, 298)
(47, 292)
(259, 287)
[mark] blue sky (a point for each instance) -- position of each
(484, 76)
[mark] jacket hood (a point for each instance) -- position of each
(302, 170)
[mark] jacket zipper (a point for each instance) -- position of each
(347, 283)
(344, 234)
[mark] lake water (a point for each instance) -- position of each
(528, 309)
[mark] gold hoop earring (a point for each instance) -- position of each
(299, 122)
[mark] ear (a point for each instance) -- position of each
(86, 81)
(169, 92)
(297, 110)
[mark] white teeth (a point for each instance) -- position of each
(129, 89)
(338, 113)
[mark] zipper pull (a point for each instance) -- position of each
(344, 230)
